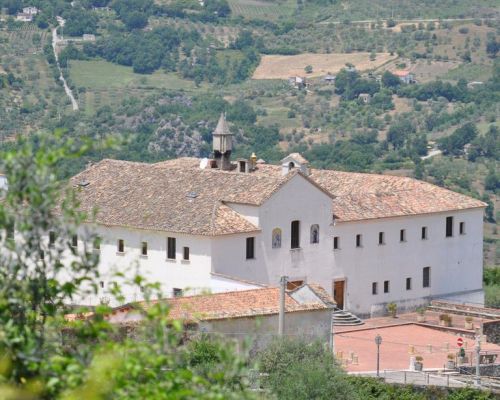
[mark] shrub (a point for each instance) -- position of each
(392, 308)
(300, 370)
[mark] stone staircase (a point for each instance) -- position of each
(345, 318)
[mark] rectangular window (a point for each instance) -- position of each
(250, 253)
(462, 228)
(386, 286)
(381, 239)
(121, 246)
(402, 235)
(336, 243)
(424, 233)
(449, 226)
(185, 253)
(358, 240)
(171, 243)
(144, 248)
(74, 241)
(52, 239)
(426, 278)
(97, 243)
(408, 283)
(374, 288)
(295, 244)
(177, 292)
(10, 231)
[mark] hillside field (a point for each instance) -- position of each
(282, 67)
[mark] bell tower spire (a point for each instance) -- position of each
(222, 144)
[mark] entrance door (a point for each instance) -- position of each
(338, 293)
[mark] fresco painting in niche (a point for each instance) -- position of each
(315, 233)
(276, 238)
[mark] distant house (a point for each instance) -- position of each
(30, 11)
(298, 82)
(474, 84)
(22, 17)
(405, 76)
(329, 79)
(365, 97)
(246, 314)
(88, 37)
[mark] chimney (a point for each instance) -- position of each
(222, 144)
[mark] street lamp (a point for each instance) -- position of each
(378, 342)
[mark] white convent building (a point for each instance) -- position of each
(218, 224)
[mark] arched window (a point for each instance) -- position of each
(315, 233)
(276, 240)
(291, 165)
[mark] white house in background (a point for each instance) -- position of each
(30, 10)
(369, 239)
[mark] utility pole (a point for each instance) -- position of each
(378, 342)
(478, 351)
(332, 335)
(281, 321)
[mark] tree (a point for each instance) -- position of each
(390, 80)
(308, 69)
(300, 370)
(48, 357)
(135, 20)
(454, 143)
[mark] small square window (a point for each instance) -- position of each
(336, 243)
(185, 253)
(144, 248)
(408, 283)
(462, 228)
(358, 240)
(121, 246)
(386, 286)
(424, 233)
(402, 235)
(381, 238)
(374, 288)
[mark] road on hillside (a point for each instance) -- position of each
(67, 89)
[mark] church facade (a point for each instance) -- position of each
(225, 224)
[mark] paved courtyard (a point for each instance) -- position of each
(357, 348)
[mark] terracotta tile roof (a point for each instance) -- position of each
(177, 196)
(366, 196)
(298, 157)
(402, 72)
(237, 304)
(172, 196)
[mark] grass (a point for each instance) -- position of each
(99, 74)
(469, 72)
(282, 67)
(263, 9)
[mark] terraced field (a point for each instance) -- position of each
(282, 67)
(262, 9)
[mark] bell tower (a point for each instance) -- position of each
(222, 144)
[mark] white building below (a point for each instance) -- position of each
(368, 239)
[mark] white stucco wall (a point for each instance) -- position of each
(456, 262)
(155, 267)
(298, 200)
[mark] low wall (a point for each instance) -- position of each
(484, 370)
(492, 331)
